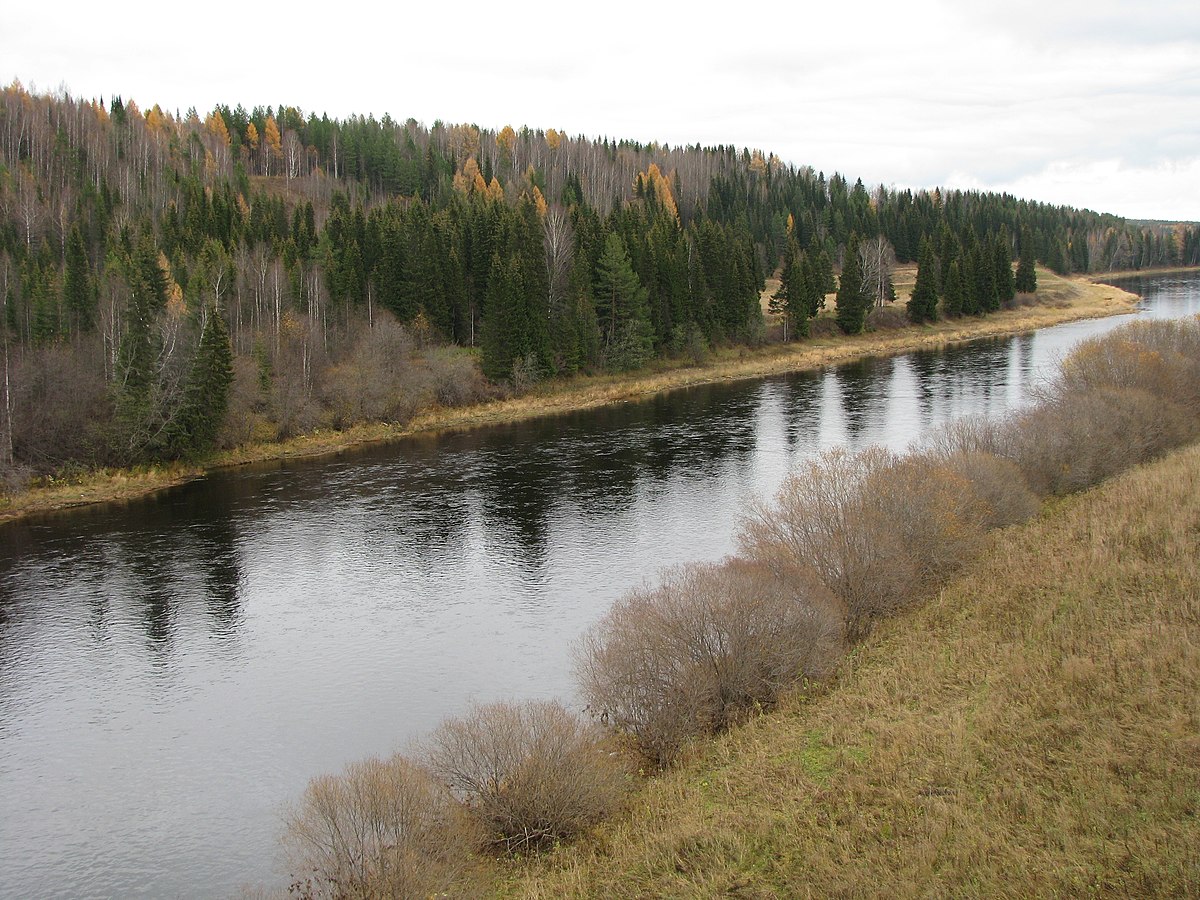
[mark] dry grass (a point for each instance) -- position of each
(1065, 299)
(1032, 731)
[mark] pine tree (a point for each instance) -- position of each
(922, 304)
(852, 300)
(1026, 279)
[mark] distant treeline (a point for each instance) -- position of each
(491, 258)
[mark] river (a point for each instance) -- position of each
(174, 669)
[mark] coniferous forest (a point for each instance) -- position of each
(171, 283)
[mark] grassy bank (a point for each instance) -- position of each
(1032, 731)
(1058, 300)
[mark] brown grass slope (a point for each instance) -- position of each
(1033, 731)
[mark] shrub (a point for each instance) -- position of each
(1159, 357)
(383, 828)
(704, 647)
(528, 774)
(887, 318)
(1005, 496)
(1080, 439)
(880, 530)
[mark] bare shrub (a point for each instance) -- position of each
(1005, 496)
(972, 434)
(887, 318)
(880, 530)
(61, 406)
(703, 648)
(529, 774)
(380, 380)
(383, 828)
(823, 326)
(1159, 357)
(1080, 439)
(246, 416)
(455, 377)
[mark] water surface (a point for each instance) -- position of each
(174, 669)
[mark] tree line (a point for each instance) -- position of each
(171, 283)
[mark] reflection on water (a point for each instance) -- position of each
(174, 669)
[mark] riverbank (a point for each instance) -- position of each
(1058, 300)
(1100, 277)
(1031, 731)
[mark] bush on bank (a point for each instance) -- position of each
(848, 539)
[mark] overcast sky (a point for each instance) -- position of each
(1093, 104)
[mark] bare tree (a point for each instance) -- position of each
(878, 260)
(560, 245)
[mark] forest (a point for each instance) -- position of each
(174, 283)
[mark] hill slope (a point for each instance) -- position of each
(1034, 730)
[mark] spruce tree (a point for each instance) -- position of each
(954, 296)
(196, 423)
(985, 280)
(1026, 280)
(621, 304)
(922, 304)
(791, 301)
(77, 291)
(970, 289)
(505, 330)
(852, 301)
(1002, 261)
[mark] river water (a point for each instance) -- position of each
(174, 669)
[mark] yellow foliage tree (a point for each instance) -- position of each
(553, 139)
(215, 123)
(506, 139)
(660, 187)
(155, 120)
(539, 201)
(467, 179)
(252, 136)
(272, 143)
(494, 190)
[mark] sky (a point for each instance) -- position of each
(1091, 104)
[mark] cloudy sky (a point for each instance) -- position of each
(1093, 104)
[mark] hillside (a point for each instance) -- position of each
(171, 285)
(1032, 731)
